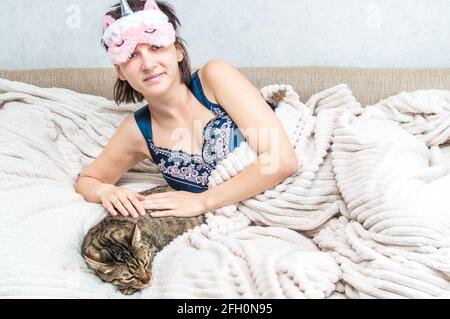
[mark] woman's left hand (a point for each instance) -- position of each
(178, 204)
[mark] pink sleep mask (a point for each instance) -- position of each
(150, 26)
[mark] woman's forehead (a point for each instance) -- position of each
(141, 46)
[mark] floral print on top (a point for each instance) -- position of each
(190, 172)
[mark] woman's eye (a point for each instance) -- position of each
(156, 47)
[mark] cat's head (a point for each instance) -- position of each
(118, 255)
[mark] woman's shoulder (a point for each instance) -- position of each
(215, 71)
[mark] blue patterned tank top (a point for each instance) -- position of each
(190, 172)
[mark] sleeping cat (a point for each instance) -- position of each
(120, 249)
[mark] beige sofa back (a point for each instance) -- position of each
(368, 85)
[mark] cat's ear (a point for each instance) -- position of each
(136, 236)
(98, 266)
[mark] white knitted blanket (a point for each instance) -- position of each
(367, 213)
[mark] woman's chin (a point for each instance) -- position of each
(153, 89)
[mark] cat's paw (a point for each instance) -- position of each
(128, 291)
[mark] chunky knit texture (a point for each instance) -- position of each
(366, 215)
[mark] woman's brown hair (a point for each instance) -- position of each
(123, 92)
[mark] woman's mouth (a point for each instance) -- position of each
(153, 78)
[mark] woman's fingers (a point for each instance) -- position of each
(129, 207)
(111, 209)
(120, 200)
(119, 206)
(160, 195)
(164, 213)
(137, 204)
(128, 203)
(158, 204)
(139, 196)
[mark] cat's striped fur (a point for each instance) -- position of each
(120, 249)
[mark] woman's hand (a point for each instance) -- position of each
(121, 200)
(178, 204)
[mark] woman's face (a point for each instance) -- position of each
(148, 60)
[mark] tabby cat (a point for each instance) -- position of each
(121, 249)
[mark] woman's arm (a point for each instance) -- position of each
(248, 183)
(96, 182)
(263, 131)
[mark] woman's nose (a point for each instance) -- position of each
(148, 61)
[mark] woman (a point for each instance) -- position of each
(213, 110)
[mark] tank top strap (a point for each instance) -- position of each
(197, 90)
(143, 121)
